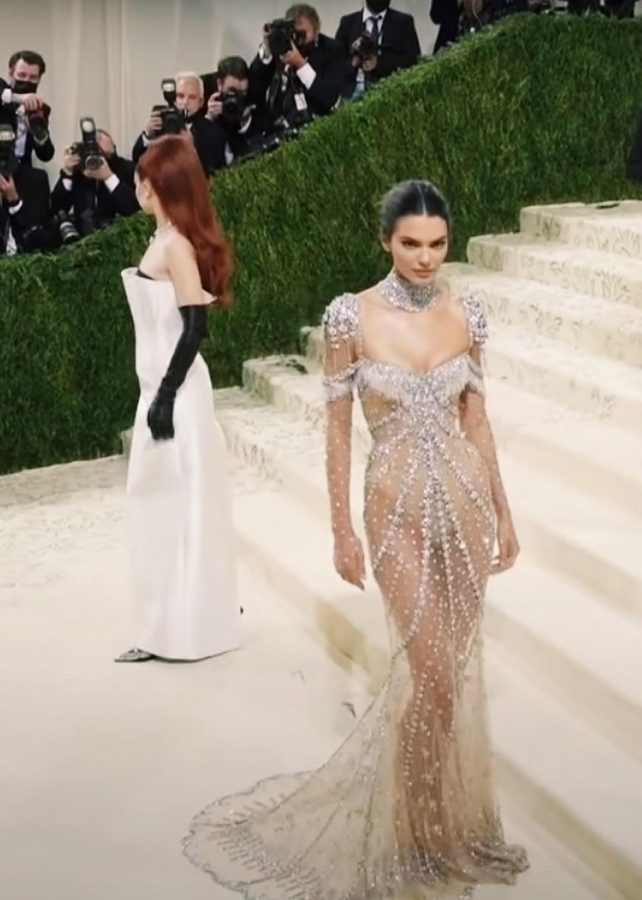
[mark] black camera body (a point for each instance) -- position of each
(8, 159)
(91, 156)
(173, 120)
(36, 119)
(234, 104)
(281, 34)
(365, 47)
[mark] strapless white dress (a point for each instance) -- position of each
(179, 496)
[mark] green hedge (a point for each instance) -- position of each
(538, 110)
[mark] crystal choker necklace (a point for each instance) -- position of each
(404, 295)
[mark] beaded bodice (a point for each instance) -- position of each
(386, 389)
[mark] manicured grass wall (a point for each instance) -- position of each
(537, 110)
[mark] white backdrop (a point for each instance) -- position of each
(106, 58)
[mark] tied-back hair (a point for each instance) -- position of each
(411, 198)
(174, 171)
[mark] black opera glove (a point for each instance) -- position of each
(160, 417)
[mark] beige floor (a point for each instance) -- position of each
(102, 765)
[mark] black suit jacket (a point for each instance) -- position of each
(399, 48)
(88, 193)
(207, 143)
(44, 151)
(326, 59)
(445, 13)
(33, 188)
(241, 144)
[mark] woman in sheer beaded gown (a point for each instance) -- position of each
(407, 803)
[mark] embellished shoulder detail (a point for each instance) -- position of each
(341, 320)
(476, 318)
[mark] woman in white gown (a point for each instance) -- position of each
(177, 485)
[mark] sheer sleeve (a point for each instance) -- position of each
(340, 330)
(473, 416)
(478, 327)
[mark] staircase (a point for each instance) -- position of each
(564, 628)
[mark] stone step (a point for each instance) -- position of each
(608, 329)
(587, 385)
(603, 227)
(576, 785)
(599, 459)
(595, 457)
(608, 276)
(591, 657)
(574, 646)
(570, 778)
(593, 542)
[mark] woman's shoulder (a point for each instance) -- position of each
(176, 244)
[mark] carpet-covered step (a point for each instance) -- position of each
(571, 779)
(590, 659)
(577, 648)
(581, 320)
(585, 806)
(583, 382)
(604, 227)
(608, 276)
(594, 457)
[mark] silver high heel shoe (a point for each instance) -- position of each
(134, 655)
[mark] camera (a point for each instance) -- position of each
(37, 122)
(365, 47)
(8, 160)
(91, 156)
(65, 227)
(281, 34)
(267, 143)
(234, 103)
(173, 120)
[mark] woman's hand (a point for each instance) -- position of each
(160, 417)
(508, 546)
(349, 560)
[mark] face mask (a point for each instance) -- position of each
(377, 6)
(24, 87)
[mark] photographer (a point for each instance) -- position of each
(298, 71)
(24, 110)
(184, 112)
(376, 41)
(95, 183)
(634, 161)
(236, 119)
(24, 198)
(445, 13)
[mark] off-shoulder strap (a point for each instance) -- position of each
(477, 323)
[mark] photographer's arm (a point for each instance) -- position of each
(261, 75)
(402, 56)
(6, 94)
(45, 149)
(323, 87)
(62, 194)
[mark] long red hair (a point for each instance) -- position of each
(174, 171)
